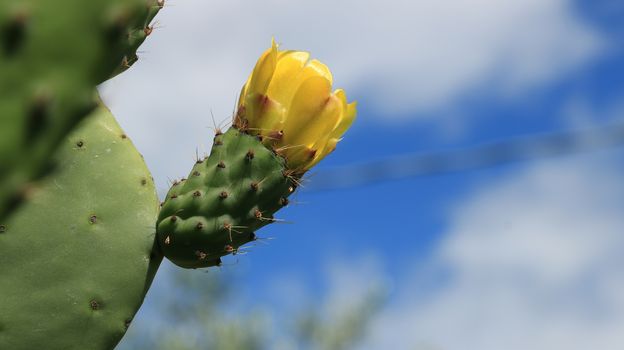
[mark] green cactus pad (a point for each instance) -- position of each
(137, 32)
(227, 196)
(76, 259)
(52, 55)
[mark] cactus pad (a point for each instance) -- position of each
(76, 258)
(52, 55)
(227, 196)
(137, 32)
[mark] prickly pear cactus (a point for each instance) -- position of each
(76, 259)
(226, 197)
(288, 119)
(52, 55)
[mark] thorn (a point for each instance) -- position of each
(276, 135)
(228, 227)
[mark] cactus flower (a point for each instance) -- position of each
(288, 101)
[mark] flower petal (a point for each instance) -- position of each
(308, 102)
(243, 93)
(263, 114)
(310, 69)
(320, 125)
(347, 119)
(321, 69)
(288, 69)
(263, 72)
(328, 148)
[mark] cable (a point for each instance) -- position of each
(481, 156)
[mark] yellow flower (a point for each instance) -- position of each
(288, 101)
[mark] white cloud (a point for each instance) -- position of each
(401, 55)
(533, 262)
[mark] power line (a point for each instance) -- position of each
(522, 148)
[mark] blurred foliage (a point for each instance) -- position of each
(342, 329)
(205, 311)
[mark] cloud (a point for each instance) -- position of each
(531, 262)
(412, 54)
(402, 57)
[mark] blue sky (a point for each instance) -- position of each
(519, 256)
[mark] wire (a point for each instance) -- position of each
(522, 148)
